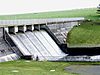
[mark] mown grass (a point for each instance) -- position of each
(33, 68)
(38, 68)
(87, 34)
(87, 13)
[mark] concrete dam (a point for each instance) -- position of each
(36, 39)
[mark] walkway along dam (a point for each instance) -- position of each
(36, 39)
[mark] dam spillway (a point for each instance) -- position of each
(38, 43)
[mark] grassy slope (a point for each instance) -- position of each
(87, 13)
(33, 68)
(88, 34)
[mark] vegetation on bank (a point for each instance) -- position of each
(87, 34)
(87, 13)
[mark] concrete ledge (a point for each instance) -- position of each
(83, 50)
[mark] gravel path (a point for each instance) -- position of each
(84, 69)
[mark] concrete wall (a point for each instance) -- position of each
(60, 30)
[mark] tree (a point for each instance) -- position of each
(98, 9)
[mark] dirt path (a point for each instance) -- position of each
(84, 69)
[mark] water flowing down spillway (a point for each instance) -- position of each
(38, 44)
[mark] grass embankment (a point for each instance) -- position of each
(87, 13)
(87, 34)
(21, 67)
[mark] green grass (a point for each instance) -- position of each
(38, 68)
(87, 34)
(33, 68)
(87, 13)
